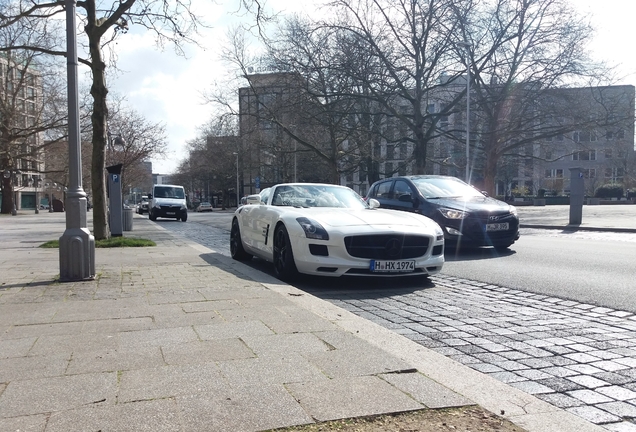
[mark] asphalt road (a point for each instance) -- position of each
(596, 268)
(591, 267)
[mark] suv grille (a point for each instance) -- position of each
(387, 246)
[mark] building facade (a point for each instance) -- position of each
(538, 141)
(21, 157)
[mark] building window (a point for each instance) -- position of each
(403, 151)
(390, 153)
(402, 169)
(608, 153)
(554, 173)
(614, 175)
(584, 155)
(589, 173)
(388, 169)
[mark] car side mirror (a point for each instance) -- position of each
(149, 196)
(374, 203)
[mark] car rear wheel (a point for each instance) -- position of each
(284, 265)
(236, 245)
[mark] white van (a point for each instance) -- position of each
(168, 201)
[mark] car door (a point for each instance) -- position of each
(382, 193)
(404, 196)
(264, 221)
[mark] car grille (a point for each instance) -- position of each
(387, 246)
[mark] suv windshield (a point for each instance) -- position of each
(445, 188)
(169, 192)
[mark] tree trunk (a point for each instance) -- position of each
(7, 195)
(101, 230)
(490, 168)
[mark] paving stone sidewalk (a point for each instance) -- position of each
(176, 337)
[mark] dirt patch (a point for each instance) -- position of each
(465, 419)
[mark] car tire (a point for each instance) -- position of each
(184, 217)
(236, 245)
(152, 216)
(502, 248)
(284, 265)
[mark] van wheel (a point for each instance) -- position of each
(184, 217)
(151, 216)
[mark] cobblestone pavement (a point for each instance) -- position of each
(576, 356)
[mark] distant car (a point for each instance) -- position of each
(468, 217)
(329, 230)
(143, 206)
(204, 206)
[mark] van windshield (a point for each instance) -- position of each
(169, 192)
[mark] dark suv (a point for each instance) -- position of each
(468, 217)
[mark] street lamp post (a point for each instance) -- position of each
(237, 178)
(467, 46)
(35, 182)
(77, 244)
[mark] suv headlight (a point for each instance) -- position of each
(453, 214)
(313, 229)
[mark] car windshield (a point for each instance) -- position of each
(169, 192)
(308, 195)
(432, 188)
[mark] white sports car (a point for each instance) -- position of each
(328, 230)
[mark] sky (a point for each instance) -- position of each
(168, 89)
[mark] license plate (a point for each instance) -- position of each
(392, 266)
(497, 226)
(170, 213)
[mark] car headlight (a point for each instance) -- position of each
(439, 234)
(513, 210)
(453, 214)
(157, 206)
(183, 207)
(313, 229)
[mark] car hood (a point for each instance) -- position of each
(337, 217)
(473, 204)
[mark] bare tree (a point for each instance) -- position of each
(413, 44)
(520, 51)
(137, 141)
(210, 168)
(102, 24)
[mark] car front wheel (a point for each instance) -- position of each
(236, 245)
(284, 265)
(151, 216)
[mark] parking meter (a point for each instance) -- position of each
(115, 202)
